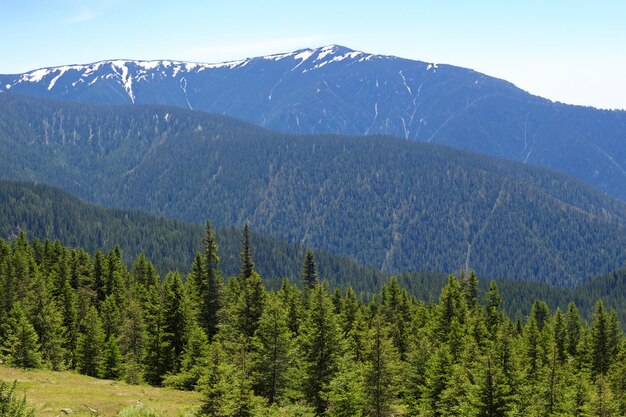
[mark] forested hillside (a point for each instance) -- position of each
(305, 349)
(46, 212)
(391, 204)
(336, 90)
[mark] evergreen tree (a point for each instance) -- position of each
(214, 391)
(492, 400)
(601, 343)
(250, 304)
(308, 276)
(112, 364)
(176, 322)
(470, 289)
(436, 381)
(321, 348)
(155, 360)
(211, 288)
(380, 385)
(247, 264)
(21, 344)
(89, 355)
(193, 363)
(572, 326)
(271, 351)
(345, 393)
(132, 341)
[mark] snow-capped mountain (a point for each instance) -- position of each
(334, 89)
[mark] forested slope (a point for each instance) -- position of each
(391, 204)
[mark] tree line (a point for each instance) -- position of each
(305, 348)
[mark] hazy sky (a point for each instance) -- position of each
(572, 51)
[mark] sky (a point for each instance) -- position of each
(573, 51)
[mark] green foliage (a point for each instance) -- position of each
(316, 352)
(10, 405)
(91, 347)
(21, 344)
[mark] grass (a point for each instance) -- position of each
(50, 391)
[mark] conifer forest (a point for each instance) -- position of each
(305, 349)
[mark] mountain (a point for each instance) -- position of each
(392, 204)
(46, 212)
(336, 90)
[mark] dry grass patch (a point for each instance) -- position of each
(50, 392)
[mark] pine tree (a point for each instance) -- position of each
(250, 304)
(156, 348)
(470, 289)
(345, 393)
(436, 380)
(321, 348)
(455, 398)
(291, 298)
(572, 328)
(89, 355)
(214, 391)
(601, 344)
(99, 274)
(491, 395)
(271, 351)
(247, 264)
(176, 322)
(112, 363)
(132, 341)
(308, 276)
(193, 363)
(380, 385)
(70, 323)
(493, 300)
(21, 344)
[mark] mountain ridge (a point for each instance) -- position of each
(336, 90)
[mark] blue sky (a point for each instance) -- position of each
(566, 50)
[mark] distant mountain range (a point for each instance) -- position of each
(392, 204)
(336, 90)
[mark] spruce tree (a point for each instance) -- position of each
(601, 344)
(89, 354)
(381, 367)
(572, 328)
(272, 351)
(213, 287)
(250, 304)
(177, 322)
(345, 393)
(21, 344)
(113, 362)
(247, 264)
(308, 276)
(321, 348)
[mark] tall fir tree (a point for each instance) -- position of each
(308, 276)
(89, 355)
(381, 368)
(247, 264)
(321, 346)
(21, 344)
(272, 350)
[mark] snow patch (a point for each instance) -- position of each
(54, 80)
